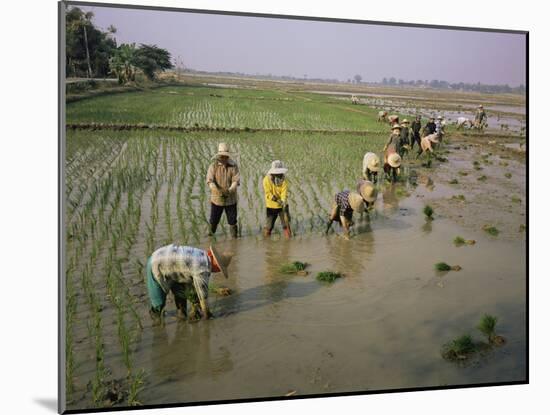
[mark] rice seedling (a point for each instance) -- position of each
(328, 276)
(460, 198)
(442, 266)
(136, 386)
(508, 175)
(482, 178)
(487, 326)
(516, 199)
(491, 230)
(428, 212)
(459, 241)
(293, 267)
(463, 173)
(453, 181)
(459, 349)
(522, 227)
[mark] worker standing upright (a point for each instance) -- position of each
(223, 178)
(276, 198)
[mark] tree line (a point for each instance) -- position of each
(461, 86)
(93, 53)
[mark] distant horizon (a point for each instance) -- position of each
(262, 46)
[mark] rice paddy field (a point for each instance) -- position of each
(135, 179)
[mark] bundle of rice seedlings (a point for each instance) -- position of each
(428, 212)
(482, 178)
(442, 266)
(328, 276)
(459, 348)
(491, 230)
(453, 181)
(487, 326)
(459, 240)
(463, 173)
(295, 267)
(508, 175)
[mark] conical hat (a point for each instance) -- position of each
(368, 191)
(356, 202)
(373, 163)
(394, 160)
(223, 260)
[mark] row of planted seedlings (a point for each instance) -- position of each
(119, 226)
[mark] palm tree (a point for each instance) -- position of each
(87, 20)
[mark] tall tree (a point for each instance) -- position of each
(151, 59)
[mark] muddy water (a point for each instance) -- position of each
(379, 327)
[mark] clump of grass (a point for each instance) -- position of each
(459, 348)
(487, 326)
(522, 227)
(482, 178)
(475, 163)
(442, 266)
(478, 168)
(293, 267)
(328, 276)
(491, 230)
(463, 173)
(516, 199)
(508, 175)
(461, 197)
(453, 181)
(428, 212)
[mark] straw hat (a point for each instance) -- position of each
(480, 106)
(395, 127)
(356, 202)
(368, 191)
(223, 260)
(405, 121)
(373, 163)
(394, 160)
(277, 167)
(439, 117)
(223, 150)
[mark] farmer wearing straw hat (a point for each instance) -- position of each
(344, 205)
(368, 192)
(185, 271)
(391, 150)
(405, 138)
(439, 128)
(371, 167)
(391, 167)
(276, 193)
(223, 178)
(480, 117)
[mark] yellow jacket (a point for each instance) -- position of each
(275, 193)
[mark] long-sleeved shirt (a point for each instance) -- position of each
(275, 193)
(342, 201)
(223, 177)
(429, 128)
(405, 136)
(393, 144)
(182, 264)
(416, 127)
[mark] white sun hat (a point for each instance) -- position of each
(277, 167)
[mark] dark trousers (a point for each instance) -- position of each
(271, 217)
(217, 211)
(415, 139)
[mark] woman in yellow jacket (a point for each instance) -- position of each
(276, 192)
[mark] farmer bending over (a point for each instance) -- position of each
(392, 159)
(371, 167)
(223, 178)
(185, 271)
(276, 192)
(344, 205)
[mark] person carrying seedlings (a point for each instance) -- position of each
(371, 167)
(276, 198)
(416, 127)
(222, 178)
(480, 117)
(391, 151)
(368, 192)
(185, 271)
(429, 128)
(344, 205)
(405, 138)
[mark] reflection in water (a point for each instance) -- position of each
(276, 253)
(427, 227)
(187, 355)
(352, 257)
(390, 201)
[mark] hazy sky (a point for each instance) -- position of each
(322, 49)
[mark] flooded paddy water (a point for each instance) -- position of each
(382, 326)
